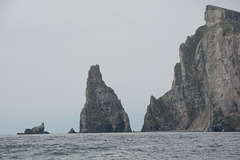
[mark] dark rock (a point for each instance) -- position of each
(35, 130)
(20, 133)
(205, 90)
(28, 131)
(219, 122)
(72, 131)
(103, 111)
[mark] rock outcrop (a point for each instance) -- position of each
(72, 131)
(103, 111)
(205, 93)
(35, 130)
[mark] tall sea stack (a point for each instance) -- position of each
(205, 93)
(103, 111)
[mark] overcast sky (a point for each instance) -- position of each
(47, 48)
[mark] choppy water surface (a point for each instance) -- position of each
(157, 145)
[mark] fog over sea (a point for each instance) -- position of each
(136, 145)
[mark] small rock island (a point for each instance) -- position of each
(72, 131)
(103, 111)
(35, 130)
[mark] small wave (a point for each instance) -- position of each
(123, 146)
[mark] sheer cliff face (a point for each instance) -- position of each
(102, 111)
(205, 94)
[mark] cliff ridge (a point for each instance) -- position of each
(205, 93)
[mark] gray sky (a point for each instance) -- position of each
(47, 48)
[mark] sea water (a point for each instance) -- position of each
(136, 145)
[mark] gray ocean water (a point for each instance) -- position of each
(136, 145)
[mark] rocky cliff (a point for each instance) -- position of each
(103, 111)
(205, 93)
